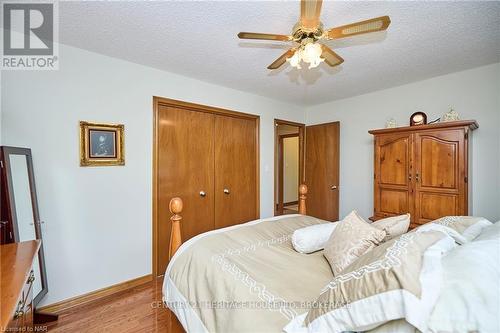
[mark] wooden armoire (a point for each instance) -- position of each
(209, 157)
(422, 170)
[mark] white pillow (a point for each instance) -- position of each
(490, 233)
(475, 230)
(312, 238)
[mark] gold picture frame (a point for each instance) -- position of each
(101, 144)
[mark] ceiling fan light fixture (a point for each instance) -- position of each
(315, 63)
(295, 59)
(310, 53)
(309, 30)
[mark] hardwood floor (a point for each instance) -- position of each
(139, 309)
(291, 209)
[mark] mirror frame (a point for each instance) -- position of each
(6, 152)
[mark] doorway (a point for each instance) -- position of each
(318, 150)
(289, 165)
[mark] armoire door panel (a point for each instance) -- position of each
(393, 202)
(393, 175)
(185, 167)
(439, 167)
(440, 172)
(394, 161)
(322, 170)
(235, 170)
(434, 205)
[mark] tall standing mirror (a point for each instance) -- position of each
(20, 215)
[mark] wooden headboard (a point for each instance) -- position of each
(176, 205)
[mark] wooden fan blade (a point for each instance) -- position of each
(331, 58)
(363, 27)
(310, 11)
(255, 35)
(282, 59)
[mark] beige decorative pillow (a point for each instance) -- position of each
(468, 226)
(398, 279)
(393, 226)
(352, 238)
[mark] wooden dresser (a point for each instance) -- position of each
(17, 281)
(422, 170)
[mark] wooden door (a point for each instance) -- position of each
(322, 170)
(185, 162)
(235, 170)
(440, 174)
(393, 178)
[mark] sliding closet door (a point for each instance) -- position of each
(235, 170)
(185, 169)
(322, 170)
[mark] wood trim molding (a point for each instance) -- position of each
(472, 124)
(201, 108)
(94, 295)
(162, 101)
(287, 122)
(155, 186)
(284, 136)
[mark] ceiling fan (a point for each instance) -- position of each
(309, 30)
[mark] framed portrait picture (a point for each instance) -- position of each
(101, 144)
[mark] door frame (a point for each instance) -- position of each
(162, 101)
(278, 176)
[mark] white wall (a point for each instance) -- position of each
(98, 220)
(290, 169)
(475, 94)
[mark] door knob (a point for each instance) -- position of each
(334, 187)
(203, 194)
(226, 191)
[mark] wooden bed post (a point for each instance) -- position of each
(302, 199)
(175, 207)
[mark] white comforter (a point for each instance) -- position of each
(469, 300)
(470, 296)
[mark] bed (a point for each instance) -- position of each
(248, 278)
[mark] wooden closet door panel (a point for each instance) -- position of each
(235, 170)
(185, 167)
(393, 186)
(440, 174)
(322, 170)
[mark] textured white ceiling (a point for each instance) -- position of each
(198, 39)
